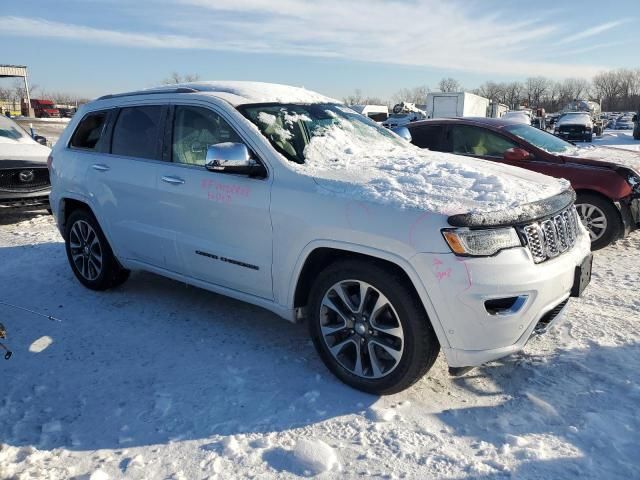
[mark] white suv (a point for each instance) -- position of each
(287, 199)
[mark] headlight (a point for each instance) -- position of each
(480, 243)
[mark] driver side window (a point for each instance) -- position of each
(194, 130)
(468, 140)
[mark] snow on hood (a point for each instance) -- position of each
(14, 150)
(398, 173)
(241, 93)
(626, 158)
(575, 119)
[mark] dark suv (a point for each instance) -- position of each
(636, 126)
(606, 180)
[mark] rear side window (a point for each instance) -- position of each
(89, 131)
(137, 132)
(427, 136)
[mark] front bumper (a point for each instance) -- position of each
(629, 208)
(459, 287)
(37, 200)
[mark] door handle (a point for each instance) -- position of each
(173, 180)
(100, 167)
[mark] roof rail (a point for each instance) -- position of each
(148, 92)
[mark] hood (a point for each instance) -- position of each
(607, 157)
(575, 120)
(403, 175)
(15, 154)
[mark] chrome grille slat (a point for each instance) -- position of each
(553, 236)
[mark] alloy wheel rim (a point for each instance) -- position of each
(361, 329)
(593, 219)
(86, 251)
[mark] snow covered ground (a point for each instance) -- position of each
(615, 138)
(156, 379)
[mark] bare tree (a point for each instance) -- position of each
(491, 90)
(176, 77)
(449, 85)
(536, 88)
(357, 98)
(513, 94)
(416, 95)
(607, 87)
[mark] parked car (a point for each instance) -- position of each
(24, 177)
(574, 126)
(289, 200)
(606, 180)
(625, 123)
(636, 126)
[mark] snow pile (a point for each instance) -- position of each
(240, 93)
(307, 458)
(359, 162)
(566, 407)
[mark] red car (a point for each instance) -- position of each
(606, 180)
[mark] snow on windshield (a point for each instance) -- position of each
(351, 156)
(10, 132)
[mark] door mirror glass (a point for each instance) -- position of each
(232, 157)
(516, 155)
(41, 140)
(402, 132)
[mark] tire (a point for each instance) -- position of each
(591, 208)
(414, 345)
(89, 253)
(589, 138)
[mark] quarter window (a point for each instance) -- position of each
(89, 131)
(195, 129)
(468, 140)
(137, 132)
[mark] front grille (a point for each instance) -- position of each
(24, 179)
(553, 236)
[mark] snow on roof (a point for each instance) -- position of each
(240, 93)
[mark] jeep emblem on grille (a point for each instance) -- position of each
(26, 176)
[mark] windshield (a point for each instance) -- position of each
(330, 131)
(11, 130)
(538, 138)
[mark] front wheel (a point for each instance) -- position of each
(369, 328)
(601, 219)
(89, 253)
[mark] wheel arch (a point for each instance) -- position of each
(602, 196)
(318, 256)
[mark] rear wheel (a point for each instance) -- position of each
(369, 328)
(89, 253)
(601, 219)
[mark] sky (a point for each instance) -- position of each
(94, 47)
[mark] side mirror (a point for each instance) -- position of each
(41, 140)
(635, 118)
(402, 132)
(516, 155)
(231, 157)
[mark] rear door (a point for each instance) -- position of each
(122, 181)
(220, 222)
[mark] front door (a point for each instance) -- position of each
(220, 222)
(122, 180)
